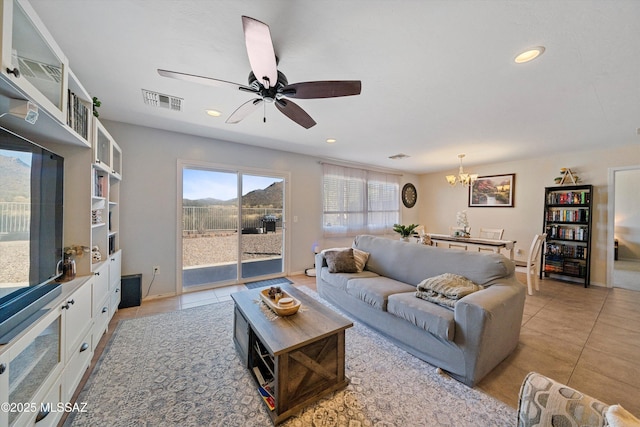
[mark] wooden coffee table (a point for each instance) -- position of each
(305, 351)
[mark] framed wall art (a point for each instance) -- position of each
(495, 191)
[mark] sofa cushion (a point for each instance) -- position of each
(433, 318)
(341, 261)
(339, 280)
(376, 290)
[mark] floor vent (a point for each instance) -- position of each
(160, 100)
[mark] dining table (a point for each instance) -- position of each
(474, 242)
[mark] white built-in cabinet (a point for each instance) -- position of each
(42, 100)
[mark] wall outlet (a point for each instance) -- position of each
(156, 269)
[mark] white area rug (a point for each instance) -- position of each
(181, 368)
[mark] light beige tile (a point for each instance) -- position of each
(618, 294)
(191, 297)
(554, 346)
(228, 290)
(604, 363)
(503, 383)
(606, 389)
(618, 342)
(620, 319)
(527, 358)
(200, 303)
(565, 331)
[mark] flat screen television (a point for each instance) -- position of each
(31, 221)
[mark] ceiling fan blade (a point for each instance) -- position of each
(262, 57)
(244, 110)
(295, 113)
(322, 89)
(204, 80)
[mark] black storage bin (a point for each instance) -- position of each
(131, 288)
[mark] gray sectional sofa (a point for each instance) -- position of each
(466, 341)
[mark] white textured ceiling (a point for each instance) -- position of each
(438, 77)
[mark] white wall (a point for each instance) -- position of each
(627, 211)
(440, 202)
(149, 194)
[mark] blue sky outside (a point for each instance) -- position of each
(202, 184)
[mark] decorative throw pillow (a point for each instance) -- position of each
(341, 261)
(361, 257)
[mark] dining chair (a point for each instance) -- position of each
(491, 233)
(452, 232)
(533, 262)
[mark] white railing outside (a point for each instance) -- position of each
(15, 217)
(203, 219)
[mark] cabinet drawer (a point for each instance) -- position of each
(49, 414)
(78, 363)
(77, 318)
(100, 322)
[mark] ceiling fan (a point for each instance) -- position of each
(269, 84)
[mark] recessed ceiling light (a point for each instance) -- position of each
(529, 55)
(331, 140)
(214, 113)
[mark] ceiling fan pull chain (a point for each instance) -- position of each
(264, 112)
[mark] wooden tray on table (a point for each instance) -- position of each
(276, 307)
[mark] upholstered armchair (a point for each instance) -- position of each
(545, 402)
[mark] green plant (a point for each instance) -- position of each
(404, 230)
(96, 104)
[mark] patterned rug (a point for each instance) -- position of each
(269, 282)
(181, 369)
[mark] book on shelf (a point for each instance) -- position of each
(268, 398)
(77, 115)
(100, 183)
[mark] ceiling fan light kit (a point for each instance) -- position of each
(268, 83)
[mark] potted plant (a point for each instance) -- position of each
(404, 230)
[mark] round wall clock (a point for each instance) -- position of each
(409, 195)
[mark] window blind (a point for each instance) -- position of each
(357, 201)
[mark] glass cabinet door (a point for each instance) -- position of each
(34, 56)
(32, 366)
(102, 148)
(116, 159)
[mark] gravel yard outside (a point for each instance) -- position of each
(223, 248)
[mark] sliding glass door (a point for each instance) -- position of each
(232, 226)
(262, 232)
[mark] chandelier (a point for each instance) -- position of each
(465, 179)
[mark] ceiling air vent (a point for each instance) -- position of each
(399, 156)
(160, 100)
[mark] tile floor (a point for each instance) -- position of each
(586, 338)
